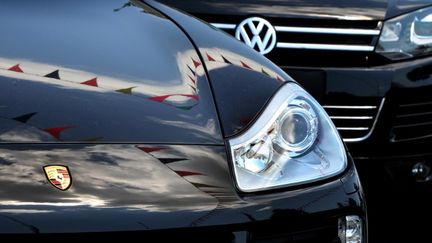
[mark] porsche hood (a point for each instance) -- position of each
(100, 71)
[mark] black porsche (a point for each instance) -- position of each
(131, 119)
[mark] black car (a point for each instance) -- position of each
(127, 119)
(368, 62)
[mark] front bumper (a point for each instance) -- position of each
(198, 202)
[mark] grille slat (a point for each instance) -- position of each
(416, 104)
(355, 122)
(413, 125)
(367, 107)
(415, 114)
(353, 128)
(332, 47)
(339, 31)
(413, 120)
(351, 117)
(314, 38)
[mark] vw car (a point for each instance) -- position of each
(367, 62)
(131, 119)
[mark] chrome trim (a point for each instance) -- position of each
(352, 140)
(416, 104)
(336, 31)
(333, 47)
(412, 125)
(349, 107)
(352, 117)
(352, 128)
(415, 114)
(224, 26)
(410, 139)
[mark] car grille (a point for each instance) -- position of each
(318, 42)
(354, 122)
(413, 119)
(325, 43)
(338, 39)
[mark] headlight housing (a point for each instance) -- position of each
(407, 36)
(292, 142)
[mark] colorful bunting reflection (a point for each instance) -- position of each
(183, 173)
(54, 74)
(210, 58)
(126, 90)
(56, 131)
(225, 60)
(16, 68)
(24, 118)
(245, 65)
(91, 82)
(193, 72)
(162, 98)
(196, 63)
(149, 149)
(191, 79)
(193, 88)
(170, 160)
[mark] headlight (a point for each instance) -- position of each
(407, 36)
(291, 143)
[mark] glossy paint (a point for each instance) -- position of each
(398, 7)
(129, 187)
(327, 9)
(140, 159)
(242, 80)
(331, 9)
(340, 83)
(78, 71)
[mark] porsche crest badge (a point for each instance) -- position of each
(59, 176)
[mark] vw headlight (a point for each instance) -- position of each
(292, 142)
(407, 36)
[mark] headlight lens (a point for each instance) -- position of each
(292, 142)
(298, 128)
(407, 36)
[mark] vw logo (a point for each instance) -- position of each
(257, 33)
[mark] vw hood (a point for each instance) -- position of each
(327, 9)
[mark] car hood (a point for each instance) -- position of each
(103, 71)
(329, 9)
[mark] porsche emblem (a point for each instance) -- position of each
(59, 176)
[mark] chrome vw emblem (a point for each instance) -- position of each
(257, 33)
